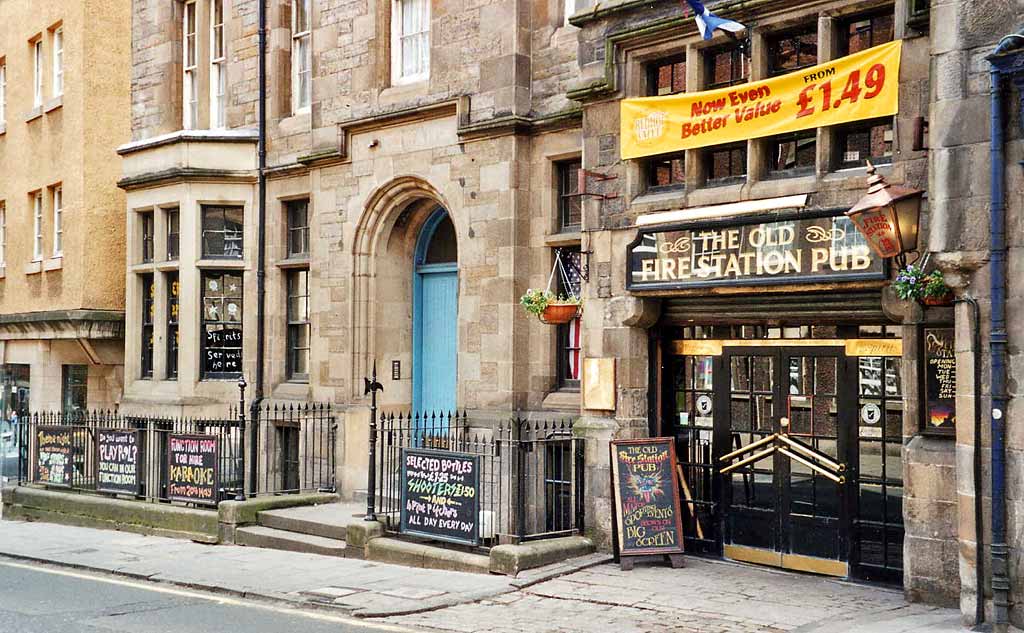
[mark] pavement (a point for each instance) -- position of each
(583, 596)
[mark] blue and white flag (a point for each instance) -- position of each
(707, 21)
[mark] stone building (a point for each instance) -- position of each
(427, 162)
(64, 98)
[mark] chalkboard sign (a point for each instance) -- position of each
(940, 379)
(54, 463)
(192, 473)
(441, 495)
(222, 351)
(117, 461)
(646, 489)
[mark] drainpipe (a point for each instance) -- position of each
(997, 344)
(261, 290)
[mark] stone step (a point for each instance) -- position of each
(261, 536)
(291, 521)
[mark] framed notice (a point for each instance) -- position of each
(441, 495)
(645, 486)
(117, 461)
(938, 377)
(193, 469)
(54, 456)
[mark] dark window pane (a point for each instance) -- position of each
(221, 325)
(173, 234)
(148, 306)
(792, 51)
(569, 345)
(173, 292)
(222, 232)
(569, 207)
(666, 171)
(298, 325)
(863, 33)
(727, 162)
(865, 140)
(443, 247)
(726, 67)
(147, 236)
(666, 77)
(793, 152)
(74, 388)
(298, 227)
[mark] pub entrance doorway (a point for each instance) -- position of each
(790, 444)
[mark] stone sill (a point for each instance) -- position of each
(54, 263)
(293, 262)
(34, 114)
(563, 400)
(232, 264)
(168, 266)
(53, 104)
(569, 238)
(32, 268)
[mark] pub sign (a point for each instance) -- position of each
(804, 248)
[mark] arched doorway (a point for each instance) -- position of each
(435, 315)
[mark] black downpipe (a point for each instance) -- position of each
(261, 289)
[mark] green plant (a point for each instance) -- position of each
(534, 301)
(912, 283)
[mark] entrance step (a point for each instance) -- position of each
(329, 521)
(261, 536)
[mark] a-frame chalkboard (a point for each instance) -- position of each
(646, 511)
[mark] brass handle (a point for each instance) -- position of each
(813, 454)
(749, 447)
(753, 458)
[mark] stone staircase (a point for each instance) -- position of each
(317, 529)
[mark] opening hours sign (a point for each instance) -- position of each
(864, 85)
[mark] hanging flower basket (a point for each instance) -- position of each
(928, 289)
(560, 313)
(940, 300)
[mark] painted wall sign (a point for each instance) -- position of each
(117, 461)
(864, 85)
(54, 456)
(646, 489)
(193, 469)
(441, 495)
(802, 249)
(940, 378)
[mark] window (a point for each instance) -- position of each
(298, 325)
(410, 40)
(58, 221)
(666, 77)
(302, 55)
(222, 324)
(173, 291)
(725, 67)
(222, 232)
(864, 140)
(148, 295)
(74, 388)
(218, 66)
(298, 227)
(37, 227)
(190, 84)
(173, 234)
(146, 226)
(793, 50)
(37, 77)
(666, 172)
(569, 334)
(3, 234)
(58, 62)
(726, 163)
(792, 154)
(570, 8)
(863, 33)
(570, 212)
(3, 92)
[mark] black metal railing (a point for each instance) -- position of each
(297, 448)
(531, 472)
(152, 441)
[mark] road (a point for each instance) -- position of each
(42, 599)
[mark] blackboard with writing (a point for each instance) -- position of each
(193, 473)
(441, 495)
(54, 462)
(940, 379)
(646, 492)
(117, 461)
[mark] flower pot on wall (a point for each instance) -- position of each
(560, 313)
(941, 300)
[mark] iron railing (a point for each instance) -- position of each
(297, 448)
(531, 472)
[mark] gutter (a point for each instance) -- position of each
(261, 263)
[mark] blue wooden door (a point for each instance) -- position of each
(436, 320)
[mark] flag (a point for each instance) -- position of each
(707, 21)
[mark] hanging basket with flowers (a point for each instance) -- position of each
(551, 308)
(930, 289)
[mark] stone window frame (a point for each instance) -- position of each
(290, 229)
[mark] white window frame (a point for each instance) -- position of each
(37, 227)
(570, 8)
(218, 67)
(3, 234)
(3, 91)
(58, 61)
(399, 37)
(302, 62)
(37, 77)
(189, 61)
(57, 194)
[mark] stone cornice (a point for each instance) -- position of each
(63, 324)
(243, 135)
(186, 174)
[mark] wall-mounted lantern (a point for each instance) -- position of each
(888, 217)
